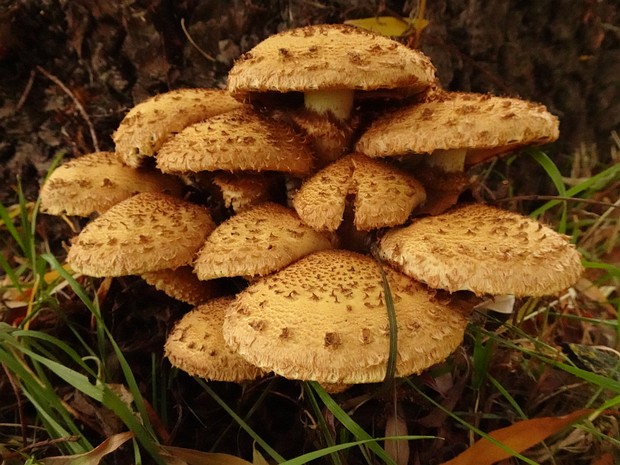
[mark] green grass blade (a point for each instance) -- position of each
(357, 431)
(308, 457)
(309, 393)
(556, 177)
(390, 371)
(274, 455)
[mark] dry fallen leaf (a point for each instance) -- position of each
(518, 437)
(94, 456)
(182, 456)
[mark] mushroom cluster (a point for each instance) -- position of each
(326, 176)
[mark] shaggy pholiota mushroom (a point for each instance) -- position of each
(324, 318)
(240, 140)
(243, 190)
(196, 345)
(455, 129)
(94, 182)
(183, 285)
(485, 250)
(329, 63)
(150, 123)
(382, 194)
(256, 242)
(147, 232)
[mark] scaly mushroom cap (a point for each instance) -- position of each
(182, 284)
(196, 346)
(257, 242)
(329, 57)
(147, 232)
(485, 250)
(147, 125)
(324, 318)
(483, 124)
(96, 181)
(241, 191)
(240, 140)
(384, 195)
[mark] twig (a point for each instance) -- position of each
(26, 92)
(37, 445)
(20, 407)
(191, 41)
(556, 197)
(78, 104)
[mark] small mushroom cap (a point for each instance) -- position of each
(257, 242)
(243, 190)
(196, 346)
(484, 124)
(148, 124)
(384, 195)
(96, 181)
(240, 140)
(485, 250)
(147, 232)
(182, 284)
(329, 57)
(324, 318)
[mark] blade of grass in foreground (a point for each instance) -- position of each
(556, 177)
(274, 455)
(144, 432)
(350, 424)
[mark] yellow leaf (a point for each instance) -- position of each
(180, 455)
(388, 25)
(257, 457)
(94, 456)
(518, 437)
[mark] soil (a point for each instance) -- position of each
(70, 70)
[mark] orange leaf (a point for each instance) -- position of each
(518, 437)
(389, 25)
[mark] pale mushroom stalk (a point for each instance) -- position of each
(339, 102)
(450, 161)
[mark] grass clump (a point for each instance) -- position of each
(76, 374)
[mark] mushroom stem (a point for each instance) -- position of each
(337, 101)
(450, 161)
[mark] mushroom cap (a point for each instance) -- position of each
(384, 195)
(329, 137)
(196, 345)
(485, 250)
(240, 140)
(484, 124)
(148, 124)
(329, 57)
(243, 190)
(182, 284)
(324, 318)
(147, 232)
(257, 242)
(96, 181)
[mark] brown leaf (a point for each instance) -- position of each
(94, 456)
(518, 437)
(182, 456)
(397, 426)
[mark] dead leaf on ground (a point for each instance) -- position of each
(94, 456)
(518, 437)
(183, 456)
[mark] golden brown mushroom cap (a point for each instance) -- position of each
(96, 181)
(384, 195)
(148, 124)
(196, 346)
(182, 284)
(483, 124)
(243, 190)
(147, 232)
(330, 57)
(257, 242)
(240, 140)
(485, 250)
(324, 318)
